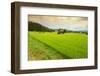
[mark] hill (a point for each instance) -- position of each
(33, 26)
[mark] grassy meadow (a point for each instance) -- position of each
(50, 45)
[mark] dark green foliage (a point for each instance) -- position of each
(33, 26)
(61, 31)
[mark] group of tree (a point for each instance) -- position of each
(62, 31)
(33, 26)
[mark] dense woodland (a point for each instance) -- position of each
(32, 26)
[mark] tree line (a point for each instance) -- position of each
(33, 26)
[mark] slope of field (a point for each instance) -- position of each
(40, 51)
(50, 45)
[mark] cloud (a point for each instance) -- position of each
(66, 22)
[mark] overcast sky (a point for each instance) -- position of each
(65, 22)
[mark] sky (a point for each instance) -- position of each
(73, 23)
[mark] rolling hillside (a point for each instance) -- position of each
(50, 45)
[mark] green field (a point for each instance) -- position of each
(50, 45)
